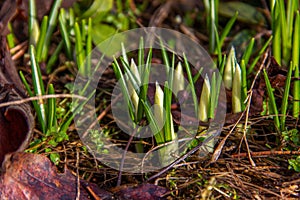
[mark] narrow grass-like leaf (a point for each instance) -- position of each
(64, 32)
(33, 24)
(38, 86)
(68, 118)
(124, 54)
(40, 43)
(144, 85)
(296, 93)
(244, 83)
(286, 41)
(168, 126)
(295, 60)
(248, 51)
(276, 29)
(79, 50)
(83, 30)
(227, 28)
(197, 76)
(262, 50)
(213, 98)
(10, 37)
(296, 41)
(153, 123)
(272, 101)
(141, 55)
(285, 98)
(134, 80)
(71, 17)
(291, 8)
(89, 47)
(51, 109)
(35, 103)
(191, 83)
(218, 47)
(52, 24)
(165, 57)
(171, 73)
(222, 65)
(212, 21)
(54, 57)
(121, 79)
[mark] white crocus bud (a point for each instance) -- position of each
(133, 94)
(229, 69)
(159, 105)
(134, 70)
(178, 81)
(236, 90)
(204, 101)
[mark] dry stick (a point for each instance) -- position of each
(123, 157)
(266, 153)
(182, 157)
(19, 54)
(35, 98)
(249, 98)
(77, 172)
(218, 150)
(93, 194)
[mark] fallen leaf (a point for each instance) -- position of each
(144, 191)
(32, 176)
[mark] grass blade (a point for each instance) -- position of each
(227, 28)
(33, 27)
(51, 109)
(262, 50)
(248, 52)
(295, 60)
(121, 79)
(191, 83)
(165, 57)
(40, 43)
(79, 50)
(38, 86)
(10, 37)
(64, 33)
(153, 123)
(272, 100)
(244, 83)
(168, 126)
(89, 47)
(54, 57)
(285, 99)
(141, 55)
(52, 24)
(144, 85)
(213, 98)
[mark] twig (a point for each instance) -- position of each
(266, 153)
(183, 157)
(218, 150)
(35, 98)
(77, 173)
(123, 157)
